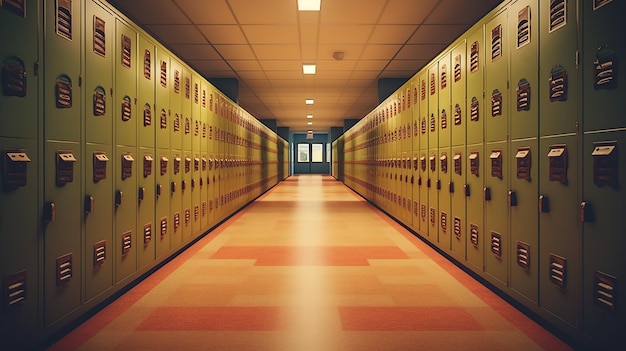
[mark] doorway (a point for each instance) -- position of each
(311, 158)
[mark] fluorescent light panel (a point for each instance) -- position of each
(309, 116)
(309, 101)
(310, 123)
(309, 5)
(309, 69)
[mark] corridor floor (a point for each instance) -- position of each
(309, 266)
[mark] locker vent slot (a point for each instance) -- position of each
(196, 94)
(147, 64)
(523, 255)
(204, 209)
(599, 3)
(444, 119)
(423, 125)
(496, 244)
(523, 95)
(457, 68)
(415, 94)
(433, 216)
(126, 109)
(423, 163)
(605, 69)
(558, 84)
(15, 168)
(127, 242)
(14, 77)
(496, 43)
(16, 6)
(457, 228)
(524, 163)
(126, 51)
(100, 160)
(187, 88)
(443, 220)
(188, 126)
(196, 213)
(433, 84)
(458, 115)
(204, 130)
(99, 36)
(474, 58)
(558, 14)
(203, 98)
(474, 163)
(423, 212)
(163, 226)
(523, 27)
(433, 123)
(147, 233)
(176, 221)
(444, 76)
(474, 113)
(444, 162)
(458, 163)
(63, 91)
(558, 271)
(64, 19)
(187, 164)
(474, 235)
(433, 162)
(14, 289)
(176, 164)
(423, 92)
(177, 81)
(176, 123)
(99, 253)
(64, 269)
(163, 119)
(496, 163)
(204, 163)
(210, 205)
(605, 164)
(496, 103)
(605, 291)
(415, 208)
(164, 74)
(99, 102)
(127, 165)
(196, 164)
(64, 167)
(147, 165)
(147, 115)
(163, 164)
(558, 163)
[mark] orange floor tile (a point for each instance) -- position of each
(309, 266)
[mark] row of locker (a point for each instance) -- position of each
(116, 155)
(504, 153)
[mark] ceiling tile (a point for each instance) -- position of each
(392, 34)
(252, 75)
(407, 11)
(351, 11)
(406, 65)
(152, 11)
(437, 34)
(309, 33)
(422, 52)
(210, 65)
(271, 34)
(177, 34)
(205, 12)
(332, 65)
(235, 52)
(223, 34)
(283, 75)
(460, 11)
(245, 65)
(369, 75)
(196, 52)
(351, 52)
(277, 52)
(344, 34)
(375, 52)
(282, 66)
(398, 74)
(265, 12)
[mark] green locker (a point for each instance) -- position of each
(125, 241)
(415, 176)
(176, 87)
(433, 186)
(99, 60)
(602, 212)
(62, 60)
(458, 94)
(175, 193)
(496, 78)
(476, 233)
(445, 119)
(443, 157)
(559, 71)
(475, 107)
(524, 55)
(203, 177)
(126, 64)
(187, 109)
(423, 179)
(495, 193)
(559, 231)
(523, 194)
(147, 116)
(163, 165)
(186, 189)
(457, 219)
(98, 218)
(62, 209)
(19, 95)
(19, 264)
(163, 119)
(444, 187)
(433, 106)
(603, 23)
(147, 227)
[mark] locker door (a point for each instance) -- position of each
(602, 211)
(147, 116)
(125, 242)
(196, 152)
(125, 107)
(187, 166)
(497, 48)
(187, 108)
(204, 154)
(444, 155)
(176, 87)
(211, 147)
(433, 183)
(175, 192)
(163, 119)
(163, 164)
(496, 190)
(147, 229)
(423, 180)
(475, 106)
(415, 121)
(476, 233)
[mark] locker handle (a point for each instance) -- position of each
(419, 181)
(451, 187)
(428, 183)
(141, 193)
(184, 185)
(119, 198)
(159, 189)
(544, 204)
(49, 212)
(173, 187)
(89, 204)
(487, 194)
(467, 189)
(412, 179)
(512, 198)
(193, 183)
(438, 184)
(586, 212)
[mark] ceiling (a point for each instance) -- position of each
(263, 44)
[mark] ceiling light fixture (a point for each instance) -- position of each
(309, 101)
(309, 5)
(309, 69)
(309, 116)
(309, 123)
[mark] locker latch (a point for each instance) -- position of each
(14, 77)
(496, 163)
(457, 163)
(444, 162)
(147, 165)
(49, 213)
(605, 163)
(127, 165)
(89, 204)
(141, 194)
(466, 187)
(64, 167)
(544, 204)
(523, 163)
(558, 163)
(119, 198)
(586, 212)
(100, 160)
(487, 194)
(512, 197)
(15, 168)
(474, 163)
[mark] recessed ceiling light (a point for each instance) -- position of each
(309, 69)
(309, 116)
(309, 101)
(310, 123)
(309, 5)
